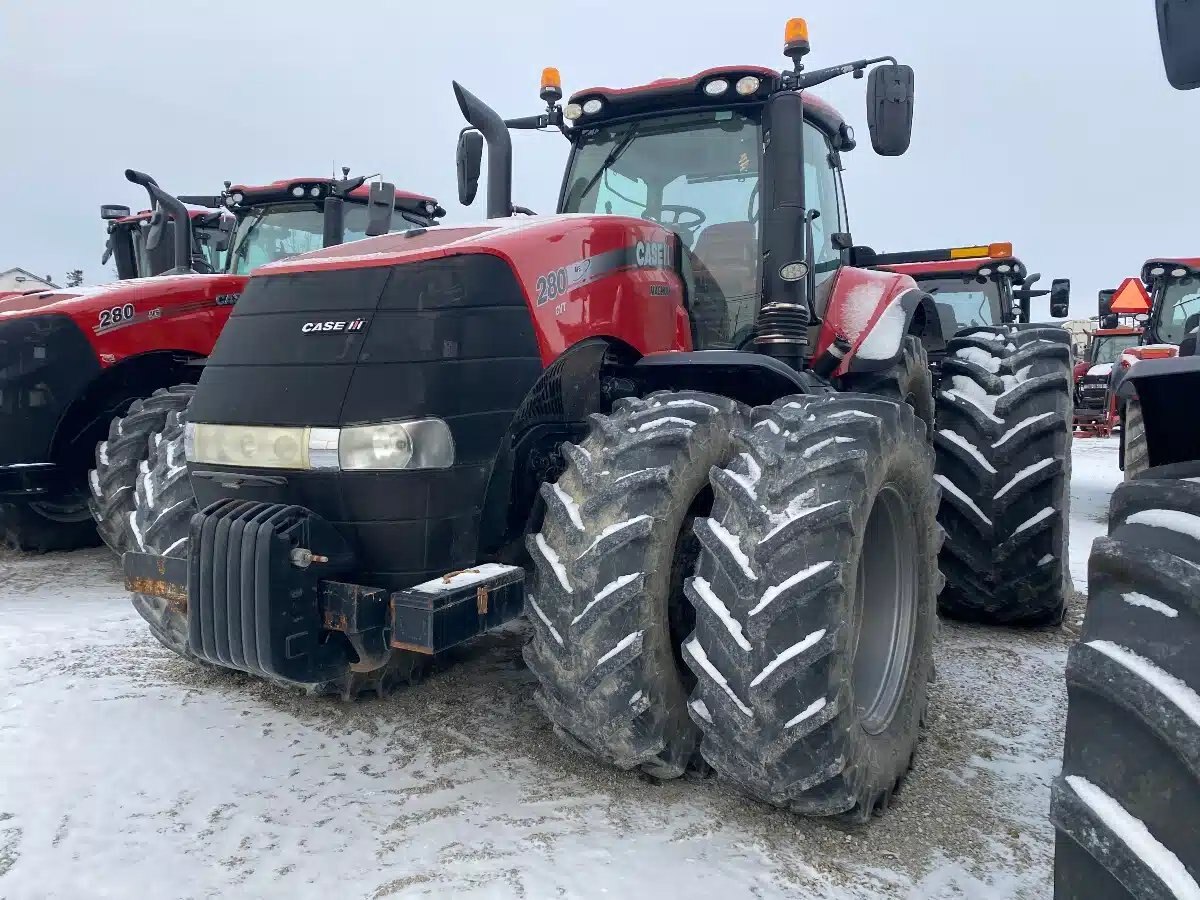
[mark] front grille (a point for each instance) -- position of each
(249, 607)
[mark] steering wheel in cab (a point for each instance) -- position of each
(685, 218)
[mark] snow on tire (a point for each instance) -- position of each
(1003, 441)
(606, 600)
(1127, 804)
(1135, 458)
(159, 524)
(816, 603)
(118, 459)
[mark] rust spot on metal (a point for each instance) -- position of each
(415, 648)
(336, 621)
(162, 565)
(481, 600)
(157, 587)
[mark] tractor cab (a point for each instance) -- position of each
(981, 285)
(1175, 302)
(126, 244)
(298, 215)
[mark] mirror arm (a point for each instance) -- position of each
(800, 80)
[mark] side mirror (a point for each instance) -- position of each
(154, 235)
(381, 202)
(110, 211)
(1179, 38)
(469, 161)
(890, 108)
(1104, 302)
(1060, 298)
(223, 238)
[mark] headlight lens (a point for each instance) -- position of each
(248, 445)
(422, 444)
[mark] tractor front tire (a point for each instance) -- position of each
(1126, 807)
(113, 482)
(908, 381)
(159, 524)
(606, 600)
(816, 603)
(1003, 441)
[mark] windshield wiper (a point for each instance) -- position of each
(613, 155)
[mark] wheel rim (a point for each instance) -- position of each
(887, 599)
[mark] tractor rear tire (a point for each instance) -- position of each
(1135, 456)
(606, 599)
(118, 460)
(1126, 807)
(1003, 441)
(909, 381)
(816, 604)
(48, 524)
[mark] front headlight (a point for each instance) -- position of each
(420, 444)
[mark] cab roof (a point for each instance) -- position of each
(688, 93)
(284, 187)
(965, 267)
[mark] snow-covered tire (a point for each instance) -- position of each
(606, 599)
(118, 459)
(909, 381)
(1135, 457)
(1127, 804)
(816, 603)
(48, 524)
(159, 524)
(1003, 441)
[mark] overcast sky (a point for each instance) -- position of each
(1045, 122)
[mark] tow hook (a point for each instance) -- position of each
(302, 558)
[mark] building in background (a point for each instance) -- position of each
(21, 280)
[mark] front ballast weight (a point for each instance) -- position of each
(262, 592)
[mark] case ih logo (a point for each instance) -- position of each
(353, 325)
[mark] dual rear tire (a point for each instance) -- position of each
(754, 589)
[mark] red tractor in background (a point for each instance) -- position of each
(1096, 412)
(684, 407)
(1002, 455)
(82, 363)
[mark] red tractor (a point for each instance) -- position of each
(678, 425)
(1095, 404)
(73, 361)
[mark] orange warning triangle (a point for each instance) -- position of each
(1131, 298)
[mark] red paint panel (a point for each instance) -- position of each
(856, 301)
(610, 291)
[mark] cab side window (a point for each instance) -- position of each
(821, 194)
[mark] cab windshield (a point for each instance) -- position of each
(277, 231)
(1180, 310)
(965, 302)
(696, 174)
(1107, 348)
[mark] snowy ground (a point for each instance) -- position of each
(126, 773)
